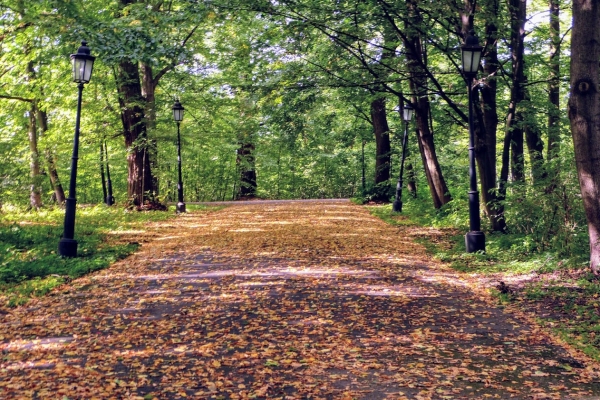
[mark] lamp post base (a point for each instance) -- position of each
(475, 241)
(67, 248)
(180, 208)
(397, 206)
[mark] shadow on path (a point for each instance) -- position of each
(280, 300)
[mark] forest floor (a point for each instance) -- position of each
(291, 300)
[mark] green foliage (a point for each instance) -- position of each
(29, 264)
(526, 248)
(294, 78)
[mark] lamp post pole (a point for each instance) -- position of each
(471, 55)
(178, 117)
(83, 64)
(110, 199)
(407, 113)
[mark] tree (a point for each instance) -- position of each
(148, 48)
(584, 104)
(554, 82)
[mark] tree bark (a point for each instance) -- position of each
(412, 182)
(584, 104)
(515, 117)
(418, 84)
(149, 93)
(140, 182)
(535, 145)
(512, 150)
(35, 192)
(59, 192)
(486, 123)
(245, 160)
(383, 148)
(554, 82)
(246, 166)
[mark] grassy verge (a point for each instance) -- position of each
(29, 264)
(557, 288)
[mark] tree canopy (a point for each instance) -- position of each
(294, 99)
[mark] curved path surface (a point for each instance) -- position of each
(291, 300)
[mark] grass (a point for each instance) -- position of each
(562, 294)
(29, 263)
(505, 253)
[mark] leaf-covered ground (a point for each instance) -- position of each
(291, 300)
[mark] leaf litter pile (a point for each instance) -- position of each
(289, 300)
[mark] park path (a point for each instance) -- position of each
(291, 300)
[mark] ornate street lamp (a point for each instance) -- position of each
(471, 56)
(178, 117)
(407, 114)
(83, 64)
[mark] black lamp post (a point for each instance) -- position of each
(178, 117)
(83, 63)
(471, 56)
(407, 114)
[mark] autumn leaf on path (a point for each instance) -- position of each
(290, 300)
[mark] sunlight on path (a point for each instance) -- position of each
(280, 300)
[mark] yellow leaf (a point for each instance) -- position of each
(211, 387)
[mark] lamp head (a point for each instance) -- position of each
(471, 54)
(178, 111)
(83, 64)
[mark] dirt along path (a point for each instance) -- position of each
(286, 300)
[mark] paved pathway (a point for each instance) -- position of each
(291, 300)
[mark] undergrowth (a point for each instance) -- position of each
(515, 253)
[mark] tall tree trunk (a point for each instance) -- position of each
(381, 129)
(383, 148)
(535, 145)
(59, 192)
(437, 185)
(584, 104)
(418, 85)
(245, 161)
(149, 93)
(554, 82)
(515, 117)
(35, 193)
(363, 168)
(412, 182)
(139, 179)
(517, 150)
(512, 150)
(487, 114)
(247, 169)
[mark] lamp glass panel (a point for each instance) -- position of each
(87, 70)
(476, 59)
(178, 114)
(82, 69)
(78, 69)
(407, 114)
(467, 60)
